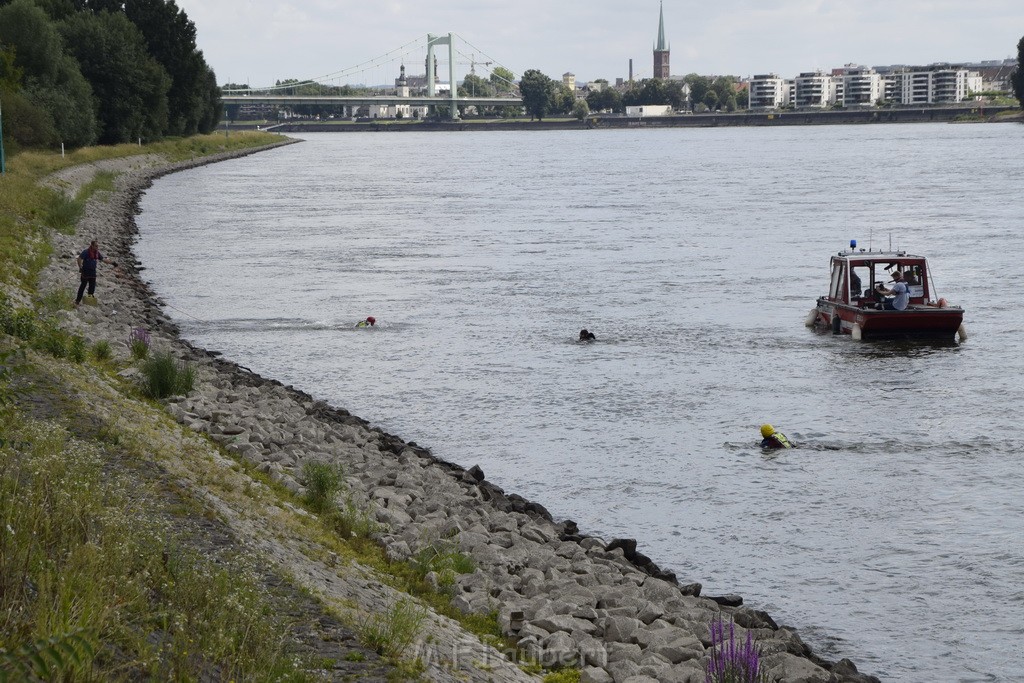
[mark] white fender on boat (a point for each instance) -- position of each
(961, 333)
(811, 317)
(855, 332)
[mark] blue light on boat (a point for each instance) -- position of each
(853, 244)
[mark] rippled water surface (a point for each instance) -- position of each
(894, 536)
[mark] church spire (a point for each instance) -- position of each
(661, 28)
(661, 55)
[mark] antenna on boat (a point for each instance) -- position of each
(871, 234)
(890, 241)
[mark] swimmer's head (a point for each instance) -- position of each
(767, 430)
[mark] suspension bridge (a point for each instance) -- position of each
(322, 90)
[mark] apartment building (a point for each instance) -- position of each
(814, 89)
(933, 84)
(858, 86)
(768, 91)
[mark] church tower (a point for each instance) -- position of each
(661, 50)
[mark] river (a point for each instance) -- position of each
(893, 536)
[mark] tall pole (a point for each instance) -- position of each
(451, 73)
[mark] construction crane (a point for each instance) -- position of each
(473, 63)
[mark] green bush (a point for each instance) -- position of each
(443, 558)
(51, 339)
(101, 350)
(76, 349)
(392, 632)
(324, 481)
(24, 324)
(351, 522)
(163, 376)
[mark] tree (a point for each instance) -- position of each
(580, 110)
(50, 80)
(474, 86)
(503, 80)
(129, 85)
(171, 40)
(538, 93)
(606, 99)
(699, 86)
(562, 99)
(1017, 78)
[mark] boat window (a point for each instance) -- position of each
(860, 277)
(837, 280)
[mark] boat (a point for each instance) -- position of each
(854, 306)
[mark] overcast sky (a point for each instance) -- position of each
(260, 41)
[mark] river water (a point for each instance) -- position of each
(893, 536)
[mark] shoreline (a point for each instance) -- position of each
(744, 119)
(561, 593)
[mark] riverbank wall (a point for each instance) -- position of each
(565, 597)
(712, 120)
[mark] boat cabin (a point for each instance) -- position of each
(856, 275)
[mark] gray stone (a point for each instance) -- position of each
(619, 652)
(559, 651)
(594, 674)
(793, 669)
(622, 670)
(564, 622)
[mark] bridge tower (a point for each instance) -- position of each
(448, 40)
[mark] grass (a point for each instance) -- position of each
(391, 632)
(88, 575)
(101, 351)
(324, 481)
(163, 376)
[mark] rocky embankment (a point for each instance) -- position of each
(564, 596)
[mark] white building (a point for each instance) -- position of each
(569, 81)
(768, 91)
(814, 89)
(858, 86)
(932, 85)
(650, 110)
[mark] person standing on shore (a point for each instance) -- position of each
(87, 262)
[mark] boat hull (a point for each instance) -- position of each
(917, 321)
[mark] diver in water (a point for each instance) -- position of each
(774, 439)
(586, 335)
(369, 322)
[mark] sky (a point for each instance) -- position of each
(261, 41)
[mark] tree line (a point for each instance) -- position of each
(82, 72)
(543, 96)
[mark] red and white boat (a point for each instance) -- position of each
(853, 306)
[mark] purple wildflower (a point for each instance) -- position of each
(731, 662)
(139, 342)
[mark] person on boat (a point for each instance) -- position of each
(900, 293)
(910, 278)
(774, 439)
(855, 285)
(586, 336)
(369, 322)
